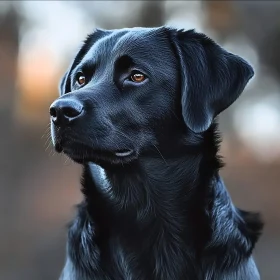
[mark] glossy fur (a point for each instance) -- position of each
(163, 212)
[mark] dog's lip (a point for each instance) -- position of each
(121, 153)
(124, 153)
(58, 147)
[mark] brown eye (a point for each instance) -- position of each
(81, 80)
(137, 77)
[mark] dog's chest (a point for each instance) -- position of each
(155, 261)
(123, 261)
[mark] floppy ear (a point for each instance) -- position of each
(65, 82)
(212, 78)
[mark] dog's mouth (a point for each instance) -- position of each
(80, 152)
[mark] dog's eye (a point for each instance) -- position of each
(81, 79)
(137, 77)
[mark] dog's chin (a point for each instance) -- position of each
(82, 154)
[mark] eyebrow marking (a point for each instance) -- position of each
(123, 62)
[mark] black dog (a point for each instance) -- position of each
(137, 109)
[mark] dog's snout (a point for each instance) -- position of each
(64, 111)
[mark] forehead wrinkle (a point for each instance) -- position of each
(138, 36)
(101, 51)
(131, 41)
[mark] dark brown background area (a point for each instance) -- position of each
(38, 190)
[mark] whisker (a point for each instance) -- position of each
(160, 154)
(48, 146)
(124, 135)
(47, 130)
(66, 160)
(176, 117)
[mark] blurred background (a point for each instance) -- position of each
(38, 189)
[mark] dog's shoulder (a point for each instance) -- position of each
(247, 270)
(229, 219)
(234, 234)
(252, 225)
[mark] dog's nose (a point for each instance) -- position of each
(64, 111)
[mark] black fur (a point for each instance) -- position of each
(161, 212)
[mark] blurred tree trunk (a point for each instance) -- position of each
(9, 46)
(221, 16)
(260, 22)
(152, 14)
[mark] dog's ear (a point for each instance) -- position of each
(65, 82)
(212, 78)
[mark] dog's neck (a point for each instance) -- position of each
(155, 189)
(131, 186)
(148, 186)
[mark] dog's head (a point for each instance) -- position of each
(129, 90)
